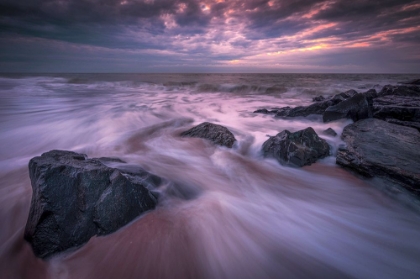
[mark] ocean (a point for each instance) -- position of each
(231, 213)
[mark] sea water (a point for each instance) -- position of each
(226, 213)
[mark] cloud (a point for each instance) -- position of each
(216, 32)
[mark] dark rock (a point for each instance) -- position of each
(411, 124)
(318, 98)
(75, 198)
(399, 91)
(404, 108)
(329, 132)
(316, 108)
(413, 82)
(344, 95)
(215, 133)
(378, 148)
(356, 108)
(265, 111)
(298, 149)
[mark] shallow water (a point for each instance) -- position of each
(229, 213)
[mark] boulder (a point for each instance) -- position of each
(400, 107)
(413, 91)
(75, 198)
(329, 132)
(297, 149)
(378, 148)
(355, 107)
(215, 133)
(316, 108)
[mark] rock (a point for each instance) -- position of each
(413, 91)
(329, 132)
(301, 148)
(215, 133)
(265, 111)
(316, 108)
(356, 108)
(75, 198)
(344, 95)
(415, 125)
(403, 108)
(378, 148)
(318, 98)
(413, 82)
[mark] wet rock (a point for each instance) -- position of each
(378, 148)
(355, 107)
(316, 108)
(411, 124)
(265, 111)
(215, 133)
(412, 82)
(318, 98)
(75, 198)
(403, 108)
(329, 132)
(413, 91)
(301, 148)
(344, 95)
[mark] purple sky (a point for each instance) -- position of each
(210, 36)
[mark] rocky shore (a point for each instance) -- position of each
(75, 197)
(383, 141)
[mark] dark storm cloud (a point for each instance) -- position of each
(215, 29)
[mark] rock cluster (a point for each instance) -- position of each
(384, 141)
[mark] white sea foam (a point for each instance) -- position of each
(245, 216)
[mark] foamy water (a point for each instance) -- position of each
(227, 213)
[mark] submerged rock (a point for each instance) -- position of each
(75, 198)
(301, 148)
(355, 107)
(330, 132)
(215, 133)
(378, 148)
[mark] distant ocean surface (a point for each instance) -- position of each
(250, 217)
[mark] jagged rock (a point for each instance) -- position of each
(318, 98)
(329, 132)
(215, 133)
(316, 108)
(75, 198)
(413, 82)
(378, 148)
(413, 91)
(344, 95)
(404, 108)
(301, 148)
(355, 107)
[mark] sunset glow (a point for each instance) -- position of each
(168, 36)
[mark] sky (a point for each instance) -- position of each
(325, 36)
